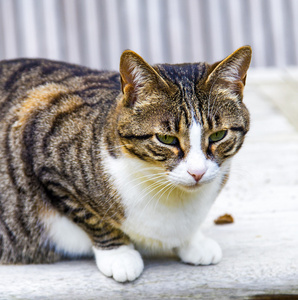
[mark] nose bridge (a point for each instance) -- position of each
(196, 160)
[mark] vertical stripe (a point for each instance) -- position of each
(27, 15)
(175, 33)
(40, 28)
(71, 21)
(123, 25)
(236, 24)
(185, 31)
(206, 30)
(132, 11)
(50, 33)
(104, 34)
(155, 23)
(144, 29)
(1, 50)
(17, 17)
(246, 21)
(9, 29)
(82, 32)
(267, 22)
(278, 32)
(195, 31)
(62, 34)
(294, 9)
(288, 32)
(258, 38)
(214, 15)
(113, 45)
(92, 34)
(164, 31)
(225, 24)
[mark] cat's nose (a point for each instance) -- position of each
(197, 174)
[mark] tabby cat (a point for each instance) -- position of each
(93, 163)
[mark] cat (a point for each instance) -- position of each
(114, 165)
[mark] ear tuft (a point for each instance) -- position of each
(132, 70)
(136, 74)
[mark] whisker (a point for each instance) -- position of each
(154, 197)
(173, 187)
(168, 187)
(152, 178)
(112, 203)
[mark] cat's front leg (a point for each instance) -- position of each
(123, 263)
(200, 250)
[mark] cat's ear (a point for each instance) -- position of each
(136, 74)
(231, 72)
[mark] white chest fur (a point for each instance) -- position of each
(159, 219)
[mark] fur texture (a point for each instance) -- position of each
(94, 162)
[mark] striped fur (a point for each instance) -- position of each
(62, 126)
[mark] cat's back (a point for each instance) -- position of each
(18, 77)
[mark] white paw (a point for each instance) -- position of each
(200, 251)
(123, 263)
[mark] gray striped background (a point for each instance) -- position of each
(95, 32)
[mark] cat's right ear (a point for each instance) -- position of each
(136, 74)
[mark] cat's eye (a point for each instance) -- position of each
(167, 139)
(217, 136)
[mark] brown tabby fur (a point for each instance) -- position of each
(56, 117)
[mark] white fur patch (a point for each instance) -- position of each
(200, 251)
(195, 162)
(160, 216)
(66, 236)
(123, 263)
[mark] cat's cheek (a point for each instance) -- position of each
(123, 263)
(200, 251)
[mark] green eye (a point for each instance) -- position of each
(167, 139)
(217, 136)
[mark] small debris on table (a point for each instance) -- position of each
(225, 219)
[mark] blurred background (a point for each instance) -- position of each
(95, 32)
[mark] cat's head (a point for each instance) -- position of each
(185, 120)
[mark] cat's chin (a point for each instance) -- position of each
(194, 187)
(191, 188)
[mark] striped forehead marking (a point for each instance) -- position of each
(186, 77)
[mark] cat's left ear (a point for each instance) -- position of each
(231, 71)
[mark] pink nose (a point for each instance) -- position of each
(196, 175)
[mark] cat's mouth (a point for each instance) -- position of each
(191, 187)
(195, 186)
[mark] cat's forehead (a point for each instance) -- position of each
(186, 78)
(196, 101)
(183, 75)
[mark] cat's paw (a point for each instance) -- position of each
(200, 251)
(123, 263)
